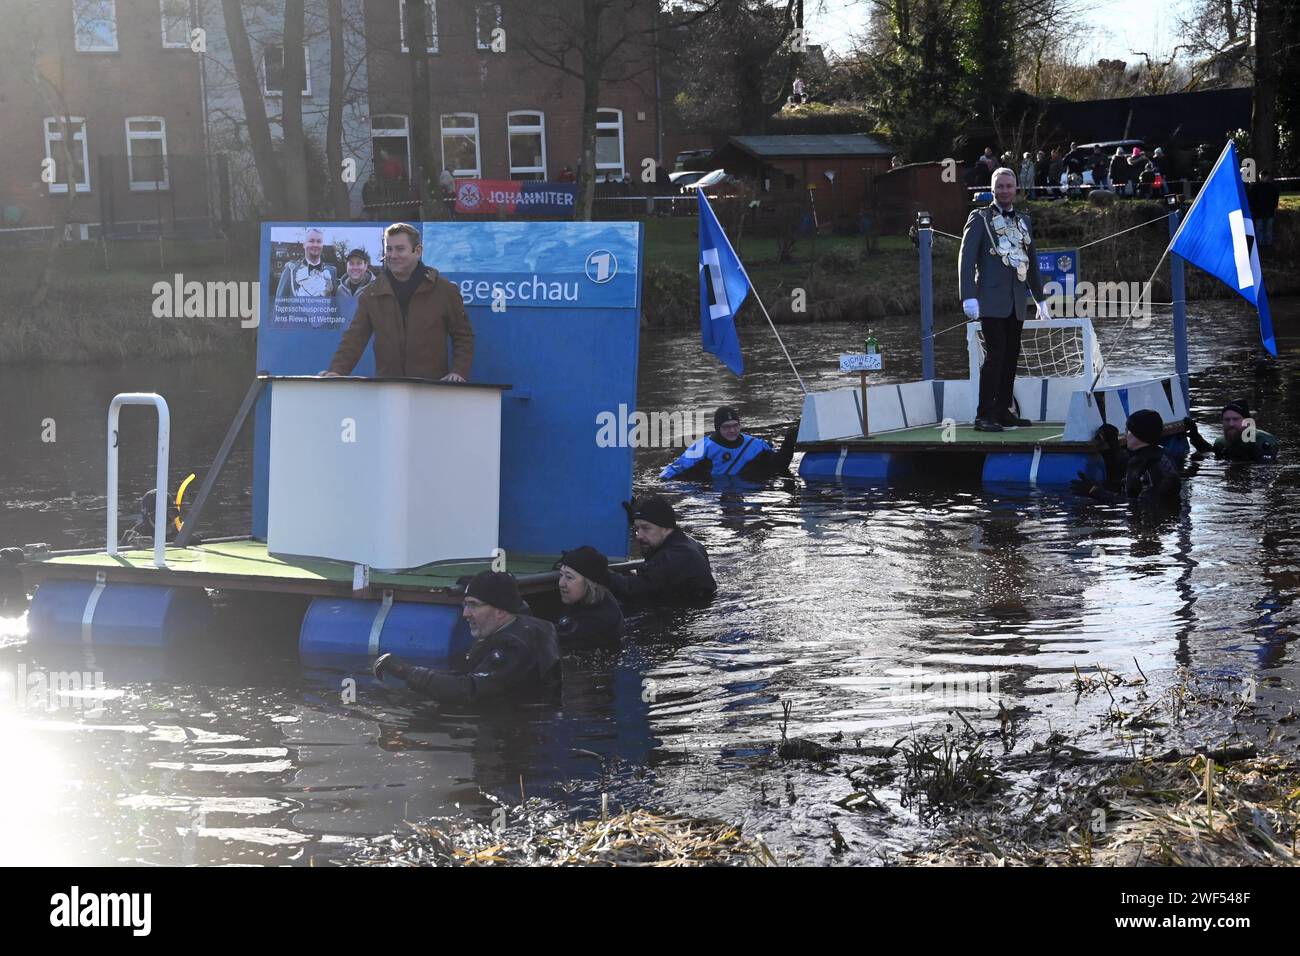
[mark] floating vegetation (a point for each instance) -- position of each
(543, 833)
(1193, 812)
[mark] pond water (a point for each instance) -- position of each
(872, 612)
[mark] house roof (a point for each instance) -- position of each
(820, 144)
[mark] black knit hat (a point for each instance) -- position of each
(358, 254)
(588, 562)
(725, 414)
(656, 510)
(496, 588)
(1238, 405)
(1146, 425)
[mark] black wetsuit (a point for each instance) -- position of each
(676, 572)
(1150, 478)
(518, 662)
(589, 625)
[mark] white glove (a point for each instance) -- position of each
(1044, 311)
(972, 308)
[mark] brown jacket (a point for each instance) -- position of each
(416, 348)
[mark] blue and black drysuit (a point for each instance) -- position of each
(747, 457)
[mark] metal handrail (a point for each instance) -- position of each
(160, 500)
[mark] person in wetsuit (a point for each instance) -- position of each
(729, 452)
(1241, 441)
(676, 568)
(1142, 472)
(514, 656)
(591, 613)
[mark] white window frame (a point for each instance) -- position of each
(618, 125)
(306, 59)
(391, 132)
(161, 135)
(78, 6)
(462, 173)
(54, 134)
(430, 20)
(478, 34)
(183, 44)
(511, 130)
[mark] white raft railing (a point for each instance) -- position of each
(160, 500)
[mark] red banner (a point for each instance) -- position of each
(487, 196)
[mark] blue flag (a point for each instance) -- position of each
(723, 287)
(1218, 235)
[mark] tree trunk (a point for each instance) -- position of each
(425, 165)
(340, 201)
(1263, 114)
(295, 142)
(259, 130)
(591, 70)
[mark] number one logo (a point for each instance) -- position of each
(720, 307)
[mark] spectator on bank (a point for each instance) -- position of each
(1098, 166)
(1054, 169)
(1028, 175)
(1040, 174)
(566, 175)
(1165, 165)
(1119, 172)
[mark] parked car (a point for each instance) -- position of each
(710, 181)
(684, 179)
(692, 160)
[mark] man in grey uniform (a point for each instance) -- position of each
(997, 267)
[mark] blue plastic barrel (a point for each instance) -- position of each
(124, 615)
(1054, 468)
(859, 465)
(335, 629)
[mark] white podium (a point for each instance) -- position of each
(391, 473)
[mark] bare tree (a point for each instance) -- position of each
(24, 41)
(338, 190)
(269, 170)
(424, 157)
(295, 142)
(595, 42)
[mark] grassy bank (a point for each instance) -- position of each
(841, 281)
(101, 304)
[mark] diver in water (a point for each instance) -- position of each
(1141, 472)
(1241, 440)
(591, 613)
(676, 569)
(514, 657)
(730, 453)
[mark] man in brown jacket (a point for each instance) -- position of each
(410, 309)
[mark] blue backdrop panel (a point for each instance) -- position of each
(556, 313)
(134, 615)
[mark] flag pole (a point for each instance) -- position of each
(759, 300)
(1187, 216)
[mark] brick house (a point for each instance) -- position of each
(132, 89)
(498, 115)
(160, 133)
